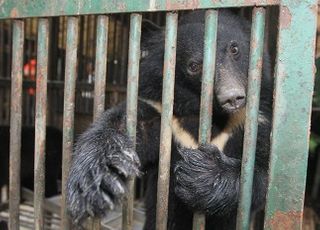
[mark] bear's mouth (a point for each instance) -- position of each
(230, 107)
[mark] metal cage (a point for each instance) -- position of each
(294, 74)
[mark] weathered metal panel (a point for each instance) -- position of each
(40, 122)
(15, 123)
(166, 120)
(41, 8)
(292, 108)
(132, 103)
(208, 72)
(68, 109)
(252, 112)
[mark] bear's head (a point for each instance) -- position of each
(232, 60)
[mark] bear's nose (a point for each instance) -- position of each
(232, 99)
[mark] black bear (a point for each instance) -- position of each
(204, 178)
(53, 158)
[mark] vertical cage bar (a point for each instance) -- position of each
(68, 108)
(2, 24)
(292, 109)
(100, 75)
(40, 122)
(15, 123)
(100, 66)
(208, 70)
(132, 101)
(166, 120)
(9, 45)
(252, 112)
(124, 48)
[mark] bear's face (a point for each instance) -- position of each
(232, 61)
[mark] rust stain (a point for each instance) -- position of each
(285, 220)
(249, 1)
(259, 63)
(254, 44)
(14, 13)
(182, 4)
(285, 17)
(257, 3)
(314, 9)
(122, 6)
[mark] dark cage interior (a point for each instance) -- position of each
(116, 89)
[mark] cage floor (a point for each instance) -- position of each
(52, 219)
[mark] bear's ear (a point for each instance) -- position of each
(149, 26)
(149, 31)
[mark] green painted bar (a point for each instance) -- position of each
(41, 8)
(208, 70)
(68, 110)
(132, 103)
(100, 77)
(40, 122)
(166, 120)
(252, 113)
(199, 221)
(15, 123)
(292, 108)
(101, 66)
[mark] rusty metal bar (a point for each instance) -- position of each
(68, 109)
(15, 123)
(2, 48)
(123, 50)
(100, 76)
(132, 102)
(199, 221)
(292, 109)
(14, 8)
(252, 112)
(208, 72)
(100, 66)
(9, 46)
(166, 120)
(40, 122)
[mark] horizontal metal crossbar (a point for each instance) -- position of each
(50, 8)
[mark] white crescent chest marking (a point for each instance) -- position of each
(183, 137)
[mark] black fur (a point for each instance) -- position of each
(205, 179)
(52, 164)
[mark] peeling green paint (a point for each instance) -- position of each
(166, 120)
(132, 104)
(252, 111)
(48, 8)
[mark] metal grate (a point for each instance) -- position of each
(292, 98)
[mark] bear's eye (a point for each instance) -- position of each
(194, 67)
(234, 48)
